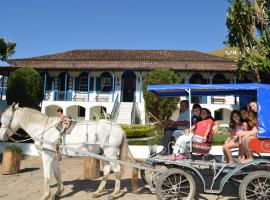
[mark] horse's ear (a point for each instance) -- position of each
(14, 106)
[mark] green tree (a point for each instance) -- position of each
(160, 107)
(6, 49)
(25, 87)
(248, 28)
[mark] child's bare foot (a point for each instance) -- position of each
(241, 158)
(247, 160)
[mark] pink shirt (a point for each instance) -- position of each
(201, 127)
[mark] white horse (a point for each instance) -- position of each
(89, 136)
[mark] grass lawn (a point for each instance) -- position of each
(218, 139)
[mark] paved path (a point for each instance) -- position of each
(28, 184)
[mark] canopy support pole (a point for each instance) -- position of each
(190, 122)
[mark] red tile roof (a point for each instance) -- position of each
(129, 59)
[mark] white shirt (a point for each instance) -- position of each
(183, 116)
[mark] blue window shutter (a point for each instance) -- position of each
(69, 95)
(55, 95)
(76, 83)
(91, 84)
(98, 84)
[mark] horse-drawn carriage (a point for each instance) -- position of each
(171, 179)
(176, 179)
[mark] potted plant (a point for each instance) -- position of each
(11, 159)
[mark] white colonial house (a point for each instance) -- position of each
(87, 82)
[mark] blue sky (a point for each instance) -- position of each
(51, 26)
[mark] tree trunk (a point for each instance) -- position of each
(91, 168)
(257, 75)
(11, 163)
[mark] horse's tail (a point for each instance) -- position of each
(124, 152)
(126, 155)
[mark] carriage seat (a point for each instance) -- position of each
(205, 147)
(259, 145)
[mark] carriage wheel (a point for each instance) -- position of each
(175, 184)
(256, 185)
(150, 178)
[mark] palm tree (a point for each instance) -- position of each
(6, 49)
(240, 24)
(245, 19)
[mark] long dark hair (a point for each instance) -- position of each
(252, 116)
(233, 123)
(209, 114)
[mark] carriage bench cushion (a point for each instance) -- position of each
(200, 148)
(259, 145)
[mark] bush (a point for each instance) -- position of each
(161, 107)
(12, 148)
(138, 131)
(25, 87)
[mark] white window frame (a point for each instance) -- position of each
(105, 82)
(83, 84)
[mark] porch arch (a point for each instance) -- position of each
(50, 110)
(76, 112)
(97, 112)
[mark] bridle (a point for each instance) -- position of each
(8, 133)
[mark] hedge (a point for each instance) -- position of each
(141, 131)
(138, 131)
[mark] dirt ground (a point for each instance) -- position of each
(28, 184)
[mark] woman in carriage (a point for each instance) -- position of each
(200, 132)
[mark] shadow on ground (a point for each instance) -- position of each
(30, 169)
(92, 185)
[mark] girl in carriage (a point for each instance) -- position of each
(234, 141)
(246, 135)
(199, 133)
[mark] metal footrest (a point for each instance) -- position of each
(213, 191)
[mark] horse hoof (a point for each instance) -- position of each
(111, 197)
(95, 196)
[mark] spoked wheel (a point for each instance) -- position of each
(175, 184)
(150, 178)
(256, 185)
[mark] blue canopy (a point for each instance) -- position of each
(246, 91)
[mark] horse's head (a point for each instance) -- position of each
(6, 121)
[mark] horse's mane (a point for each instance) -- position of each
(33, 114)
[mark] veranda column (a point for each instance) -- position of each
(234, 79)
(113, 86)
(88, 86)
(45, 83)
(187, 78)
(140, 100)
(209, 98)
(2, 86)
